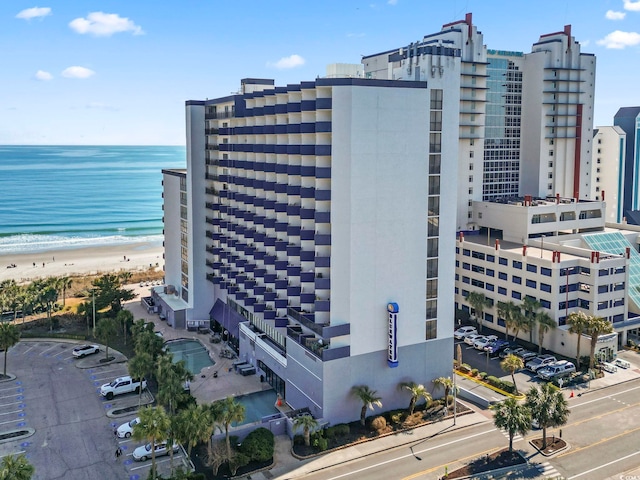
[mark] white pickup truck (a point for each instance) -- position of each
(122, 385)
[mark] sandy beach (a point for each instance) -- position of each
(30, 266)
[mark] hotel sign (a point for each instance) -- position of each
(392, 353)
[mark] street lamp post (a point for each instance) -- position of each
(454, 397)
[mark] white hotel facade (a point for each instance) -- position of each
(307, 211)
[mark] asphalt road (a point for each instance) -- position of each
(73, 437)
(603, 434)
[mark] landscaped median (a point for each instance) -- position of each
(491, 384)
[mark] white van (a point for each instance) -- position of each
(622, 363)
(609, 367)
(556, 370)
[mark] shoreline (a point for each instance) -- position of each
(81, 261)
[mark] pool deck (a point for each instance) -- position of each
(204, 387)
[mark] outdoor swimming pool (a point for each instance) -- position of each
(195, 355)
(257, 405)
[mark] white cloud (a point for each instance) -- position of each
(355, 35)
(35, 12)
(611, 15)
(620, 40)
(632, 6)
(43, 76)
(392, 2)
(103, 24)
(291, 61)
(77, 72)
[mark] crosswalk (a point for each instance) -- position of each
(516, 438)
(548, 471)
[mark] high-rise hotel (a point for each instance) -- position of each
(316, 222)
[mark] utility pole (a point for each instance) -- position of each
(454, 397)
(93, 294)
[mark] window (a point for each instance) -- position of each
(490, 272)
(432, 308)
(532, 268)
(503, 261)
(517, 280)
(502, 276)
(516, 295)
(470, 178)
(436, 99)
(551, 153)
(545, 287)
(545, 303)
(517, 264)
(491, 258)
(489, 286)
(466, 266)
(431, 329)
(471, 156)
(466, 252)
(502, 291)
(531, 284)
(466, 280)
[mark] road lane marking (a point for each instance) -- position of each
(605, 465)
(579, 449)
(411, 454)
(604, 398)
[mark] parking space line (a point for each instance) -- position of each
(11, 421)
(7, 404)
(28, 349)
(8, 388)
(158, 462)
(14, 395)
(9, 413)
(47, 349)
(11, 454)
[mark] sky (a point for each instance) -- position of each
(119, 72)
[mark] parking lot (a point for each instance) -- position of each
(72, 425)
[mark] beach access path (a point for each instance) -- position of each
(80, 261)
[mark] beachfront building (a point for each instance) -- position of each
(628, 120)
(547, 93)
(560, 253)
(607, 171)
(320, 208)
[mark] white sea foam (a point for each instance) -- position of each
(27, 243)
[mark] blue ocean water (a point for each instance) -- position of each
(54, 197)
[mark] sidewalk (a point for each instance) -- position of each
(288, 467)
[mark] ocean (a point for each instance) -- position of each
(62, 197)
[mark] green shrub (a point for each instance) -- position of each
(465, 368)
(319, 442)
(298, 440)
(507, 386)
(397, 416)
(483, 375)
(238, 460)
(258, 445)
(491, 380)
(342, 429)
(474, 372)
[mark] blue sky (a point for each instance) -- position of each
(118, 72)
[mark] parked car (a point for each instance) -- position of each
(556, 370)
(526, 355)
(462, 332)
(126, 429)
(84, 350)
(480, 343)
(515, 350)
(497, 346)
(143, 452)
(469, 339)
(540, 361)
(122, 385)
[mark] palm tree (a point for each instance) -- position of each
(530, 306)
(230, 411)
(369, 399)
(140, 366)
(9, 336)
(124, 318)
(511, 364)
(417, 391)
(513, 417)
(448, 385)
(506, 311)
(65, 284)
(307, 423)
(545, 323)
(577, 322)
(478, 302)
(49, 296)
(548, 407)
(16, 468)
(518, 322)
(153, 427)
(596, 326)
(193, 425)
(171, 380)
(105, 331)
